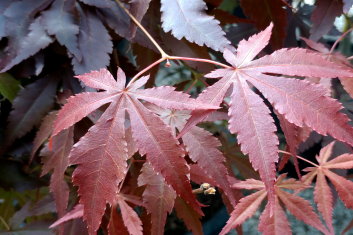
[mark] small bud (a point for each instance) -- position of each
(167, 65)
(205, 186)
(210, 191)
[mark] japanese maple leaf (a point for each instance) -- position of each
(102, 153)
(300, 102)
(276, 223)
(201, 146)
(337, 58)
(322, 194)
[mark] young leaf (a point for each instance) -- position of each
(188, 19)
(75, 213)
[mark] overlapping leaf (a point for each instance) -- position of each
(300, 102)
(323, 194)
(275, 223)
(102, 153)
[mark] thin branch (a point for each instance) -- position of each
(163, 53)
(200, 60)
(340, 39)
(146, 69)
(5, 224)
(299, 157)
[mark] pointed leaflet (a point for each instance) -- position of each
(101, 157)
(301, 209)
(250, 119)
(276, 224)
(44, 132)
(158, 197)
(94, 43)
(138, 8)
(244, 209)
(77, 212)
(190, 217)
(58, 161)
(116, 224)
(155, 140)
(102, 153)
(202, 148)
(30, 105)
(263, 12)
(130, 217)
(59, 20)
(25, 33)
(323, 17)
(304, 103)
(324, 199)
(188, 19)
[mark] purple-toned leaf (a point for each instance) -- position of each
(323, 17)
(94, 43)
(75, 213)
(190, 217)
(130, 218)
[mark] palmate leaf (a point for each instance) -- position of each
(102, 153)
(188, 19)
(275, 222)
(300, 102)
(323, 195)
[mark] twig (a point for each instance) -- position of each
(299, 157)
(339, 39)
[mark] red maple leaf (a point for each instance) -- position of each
(102, 153)
(300, 102)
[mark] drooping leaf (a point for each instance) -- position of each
(58, 160)
(188, 19)
(94, 44)
(44, 132)
(323, 17)
(30, 105)
(101, 155)
(158, 198)
(60, 21)
(9, 86)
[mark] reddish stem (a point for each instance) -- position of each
(200, 60)
(299, 157)
(340, 39)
